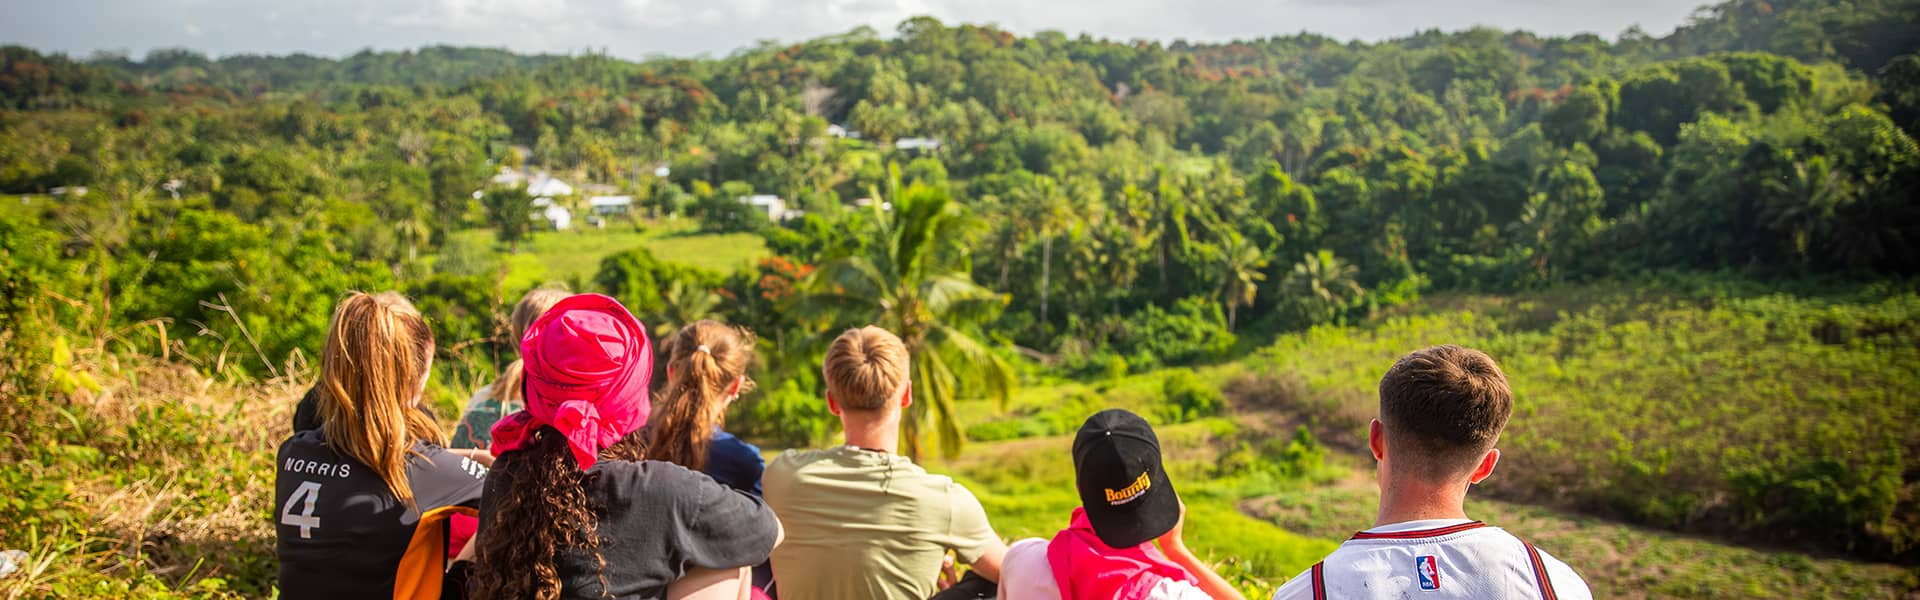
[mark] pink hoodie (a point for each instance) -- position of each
(1087, 569)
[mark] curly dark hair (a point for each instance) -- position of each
(540, 512)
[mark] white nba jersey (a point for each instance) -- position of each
(1437, 559)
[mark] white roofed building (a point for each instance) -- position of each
(544, 185)
(771, 205)
(917, 143)
(610, 205)
(558, 217)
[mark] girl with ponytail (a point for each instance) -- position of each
(348, 494)
(706, 371)
(573, 510)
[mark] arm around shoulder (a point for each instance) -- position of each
(723, 528)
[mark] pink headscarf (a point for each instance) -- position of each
(587, 365)
(1086, 568)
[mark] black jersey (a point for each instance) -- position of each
(341, 532)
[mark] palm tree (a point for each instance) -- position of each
(914, 282)
(1320, 285)
(1045, 210)
(683, 304)
(1804, 205)
(413, 228)
(1241, 268)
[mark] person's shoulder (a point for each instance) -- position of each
(731, 445)
(1025, 572)
(448, 467)
(651, 477)
(306, 440)
(796, 457)
(789, 463)
(1566, 582)
(1298, 588)
(1030, 555)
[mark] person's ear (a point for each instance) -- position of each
(1377, 440)
(833, 406)
(734, 390)
(1485, 469)
(906, 397)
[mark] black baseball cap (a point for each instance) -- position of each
(1123, 486)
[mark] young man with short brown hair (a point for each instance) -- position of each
(1442, 410)
(863, 522)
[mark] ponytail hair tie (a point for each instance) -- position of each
(703, 348)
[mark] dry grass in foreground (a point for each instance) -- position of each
(157, 485)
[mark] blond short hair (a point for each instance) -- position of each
(866, 368)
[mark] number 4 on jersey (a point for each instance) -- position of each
(305, 520)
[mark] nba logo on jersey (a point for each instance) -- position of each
(1429, 569)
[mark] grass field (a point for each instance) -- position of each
(571, 257)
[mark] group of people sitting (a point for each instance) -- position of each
(580, 474)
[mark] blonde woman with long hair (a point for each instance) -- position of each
(349, 494)
(502, 397)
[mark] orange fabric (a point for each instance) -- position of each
(424, 565)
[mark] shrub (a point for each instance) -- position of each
(1187, 398)
(639, 280)
(1195, 329)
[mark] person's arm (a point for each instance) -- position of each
(484, 457)
(1176, 550)
(712, 584)
(988, 565)
(973, 539)
(718, 527)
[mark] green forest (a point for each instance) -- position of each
(1695, 255)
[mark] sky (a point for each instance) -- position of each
(642, 28)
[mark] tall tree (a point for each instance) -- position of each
(914, 281)
(1241, 271)
(510, 213)
(1320, 286)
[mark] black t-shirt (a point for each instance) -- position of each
(661, 521)
(341, 532)
(306, 414)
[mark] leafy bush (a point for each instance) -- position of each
(237, 294)
(1188, 398)
(1195, 329)
(789, 416)
(640, 281)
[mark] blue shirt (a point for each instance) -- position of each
(734, 462)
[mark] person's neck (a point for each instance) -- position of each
(872, 432)
(1412, 500)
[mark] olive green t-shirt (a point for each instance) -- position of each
(865, 525)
